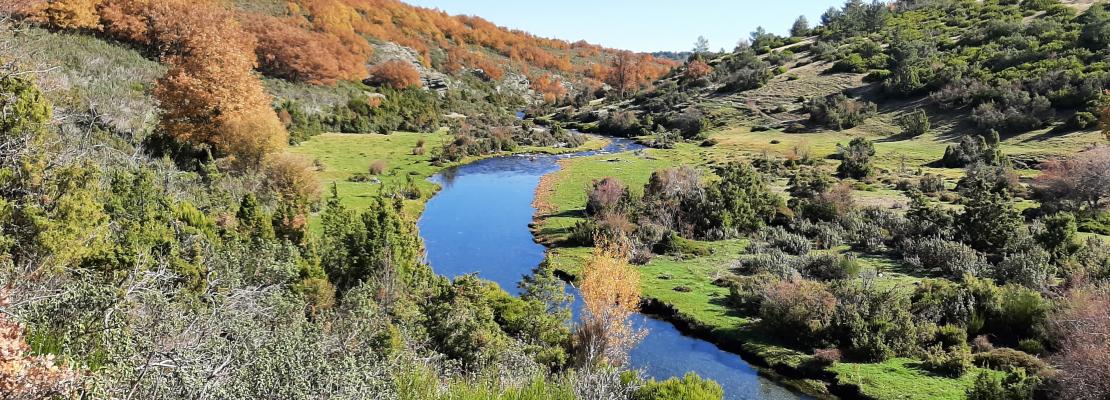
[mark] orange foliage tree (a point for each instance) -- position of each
(288, 51)
(697, 69)
(26, 376)
(610, 289)
(209, 97)
(396, 74)
(549, 87)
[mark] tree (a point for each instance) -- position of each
(1081, 328)
(800, 27)
(740, 201)
(990, 222)
(855, 159)
(1083, 180)
(623, 70)
(396, 74)
(209, 96)
(290, 52)
(701, 46)
(69, 14)
(610, 289)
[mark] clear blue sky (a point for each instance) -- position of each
(641, 25)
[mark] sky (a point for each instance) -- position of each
(641, 25)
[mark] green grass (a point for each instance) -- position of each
(900, 378)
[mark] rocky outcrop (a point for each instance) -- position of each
(431, 79)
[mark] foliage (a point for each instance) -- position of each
(27, 376)
(797, 308)
(1014, 385)
(1080, 327)
(209, 97)
(689, 387)
(610, 291)
(855, 159)
(943, 257)
(1078, 183)
(288, 51)
(396, 74)
(740, 201)
(838, 111)
(990, 221)
(915, 123)
(375, 244)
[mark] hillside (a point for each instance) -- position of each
(1032, 73)
(843, 205)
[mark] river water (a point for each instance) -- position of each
(478, 223)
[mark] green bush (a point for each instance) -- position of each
(1005, 359)
(953, 361)
(689, 387)
(855, 159)
(838, 111)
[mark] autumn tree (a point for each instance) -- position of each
(209, 96)
(697, 69)
(288, 51)
(396, 74)
(69, 14)
(610, 289)
(623, 71)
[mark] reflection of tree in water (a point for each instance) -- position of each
(448, 176)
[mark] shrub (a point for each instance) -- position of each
(1081, 327)
(1004, 359)
(828, 356)
(745, 292)
(697, 69)
(829, 266)
(740, 201)
(396, 74)
(689, 387)
(377, 167)
(1014, 386)
(931, 183)
(838, 111)
(791, 243)
(1030, 267)
(292, 177)
(1082, 120)
(873, 324)
(915, 123)
(608, 195)
(797, 308)
(944, 257)
(953, 362)
(855, 159)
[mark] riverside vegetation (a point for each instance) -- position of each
(212, 200)
(889, 204)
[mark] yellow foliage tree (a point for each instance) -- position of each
(69, 14)
(610, 289)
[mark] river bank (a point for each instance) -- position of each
(682, 289)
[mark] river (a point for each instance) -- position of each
(478, 223)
